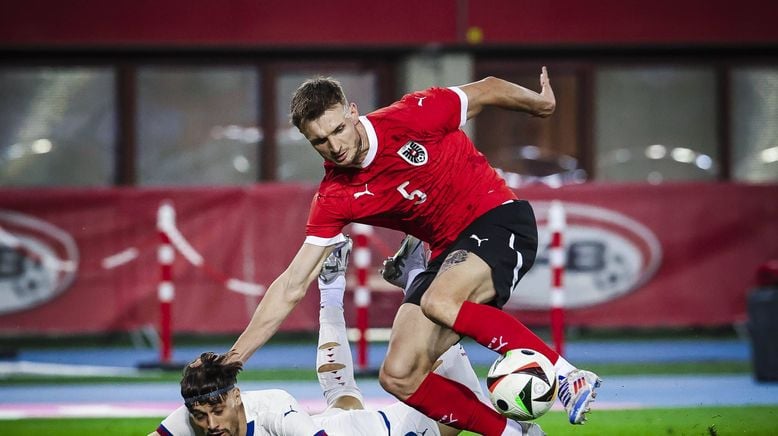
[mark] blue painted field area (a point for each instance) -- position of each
(154, 399)
(303, 355)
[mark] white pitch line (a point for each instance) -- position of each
(37, 368)
(86, 410)
(159, 409)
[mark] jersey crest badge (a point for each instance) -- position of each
(413, 153)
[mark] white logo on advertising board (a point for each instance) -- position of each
(37, 261)
(607, 254)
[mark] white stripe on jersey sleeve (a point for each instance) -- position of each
(325, 242)
(178, 424)
(463, 105)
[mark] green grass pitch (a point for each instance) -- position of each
(704, 421)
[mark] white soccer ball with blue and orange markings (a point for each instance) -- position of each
(522, 384)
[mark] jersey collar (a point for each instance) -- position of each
(372, 141)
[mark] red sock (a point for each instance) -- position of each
(498, 331)
(451, 403)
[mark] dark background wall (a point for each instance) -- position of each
(353, 23)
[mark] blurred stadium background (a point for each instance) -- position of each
(663, 151)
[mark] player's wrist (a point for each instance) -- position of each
(233, 355)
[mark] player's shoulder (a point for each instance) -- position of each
(266, 396)
(435, 99)
(177, 423)
(415, 99)
(277, 400)
(435, 91)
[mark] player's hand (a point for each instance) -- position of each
(546, 93)
(197, 362)
(232, 356)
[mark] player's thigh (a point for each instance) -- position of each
(463, 277)
(415, 343)
(485, 262)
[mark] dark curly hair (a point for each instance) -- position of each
(313, 98)
(206, 376)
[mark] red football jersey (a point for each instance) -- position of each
(422, 175)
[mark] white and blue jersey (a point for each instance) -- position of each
(275, 412)
(261, 408)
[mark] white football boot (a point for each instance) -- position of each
(577, 392)
(336, 262)
(410, 256)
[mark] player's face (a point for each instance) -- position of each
(221, 419)
(335, 137)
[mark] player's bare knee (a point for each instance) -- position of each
(439, 308)
(392, 384)
(397, 379)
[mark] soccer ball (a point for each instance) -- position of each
(522, 384)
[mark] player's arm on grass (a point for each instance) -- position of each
(500, 93)
(281, 297)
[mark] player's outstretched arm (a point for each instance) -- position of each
(281, 297)
(496, 92)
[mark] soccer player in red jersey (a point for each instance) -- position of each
(410, 167)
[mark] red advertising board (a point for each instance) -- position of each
(401, 23)
(85, 261)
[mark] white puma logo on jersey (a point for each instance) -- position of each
(477, 239)
(499, 342)
(365, 192)
(421, 99)
(448, 419)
